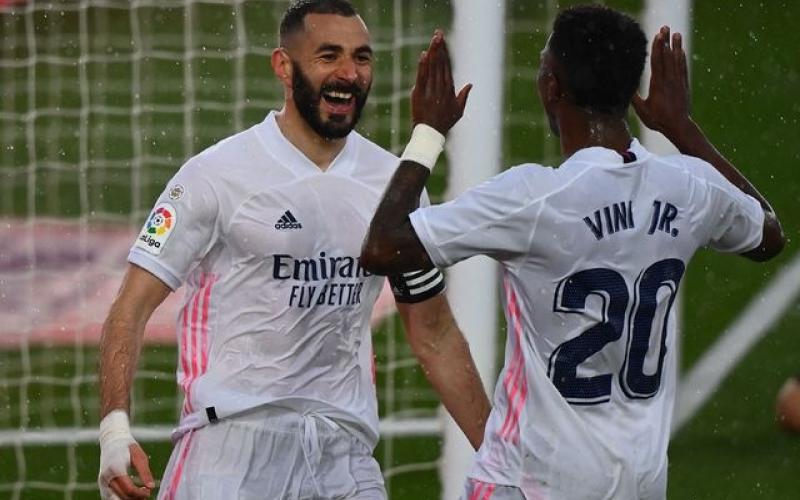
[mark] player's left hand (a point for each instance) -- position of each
(116, 456)
(433, 100)
(666, 108)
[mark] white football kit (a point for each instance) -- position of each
(593, 253)
(277, 306)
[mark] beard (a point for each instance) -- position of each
(307, 100)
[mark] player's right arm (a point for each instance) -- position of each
(140, 294)
(392, 245)
(666, 110)
(441, 349)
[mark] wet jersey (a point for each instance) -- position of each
(592, 254)
(277, 306)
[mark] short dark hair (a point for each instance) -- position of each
(293, 17)
(601, 53)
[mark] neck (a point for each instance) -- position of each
(584, 129)
(319, 150)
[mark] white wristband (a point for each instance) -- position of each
(424, 147)
(115, 454)
(115, 425)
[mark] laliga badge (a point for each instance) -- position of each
(157, 229)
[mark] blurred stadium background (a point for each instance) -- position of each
(101, 101)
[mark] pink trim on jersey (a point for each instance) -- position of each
(194, 343)
(481, 490)
(177, 471)
(204, 348)
(184, 356)
(194, 338)
(514, 382)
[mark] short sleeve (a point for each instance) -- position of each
(733, 221)
(181, 228)
(495, 218)
(738, 222)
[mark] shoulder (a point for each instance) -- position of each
(239, 162)
(228, 162)
(242, 148)
(530, 171)
(697, 169)
(520, 185)
(690, 164)
(538, 180)
(374, 165)
(370, 151)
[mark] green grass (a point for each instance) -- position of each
(745, 75)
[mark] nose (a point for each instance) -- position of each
(347, 70)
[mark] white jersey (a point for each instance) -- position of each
(593, 253)
(277, 306)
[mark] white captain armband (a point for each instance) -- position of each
(416, 286)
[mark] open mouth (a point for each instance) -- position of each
(338, 102)
(338, 97)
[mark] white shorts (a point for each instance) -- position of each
(479, 490)
(272, 453)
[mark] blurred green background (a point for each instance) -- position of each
(99, 106)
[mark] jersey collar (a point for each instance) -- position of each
(605, 156)
(292, 158)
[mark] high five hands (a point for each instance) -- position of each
(666, 108)
(433, 100)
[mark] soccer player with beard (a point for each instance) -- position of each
(264, 229)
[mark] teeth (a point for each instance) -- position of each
(339, 95)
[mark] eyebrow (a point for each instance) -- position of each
(325, 47)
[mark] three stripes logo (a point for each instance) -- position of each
(287, 221)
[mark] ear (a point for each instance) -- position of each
(282, 65)
(552, 88)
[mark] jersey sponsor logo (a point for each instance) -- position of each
(288, 221)
(320, 268)
(339, 275)
(331, 294)
(157, 229)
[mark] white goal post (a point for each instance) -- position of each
(474, 151)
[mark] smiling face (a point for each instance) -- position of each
(331, 64)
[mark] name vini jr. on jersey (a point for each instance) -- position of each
(321, 269)
(619, 217)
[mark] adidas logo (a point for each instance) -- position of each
(287, 221)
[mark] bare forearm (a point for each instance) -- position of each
(451, 371)
(691, 141)
(391, 245)
(443, 353)
(119, 355)
(140, 294)
(666, 110)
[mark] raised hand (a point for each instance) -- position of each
(666, 108)
(433, 100)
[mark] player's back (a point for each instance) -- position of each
(584, 403)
